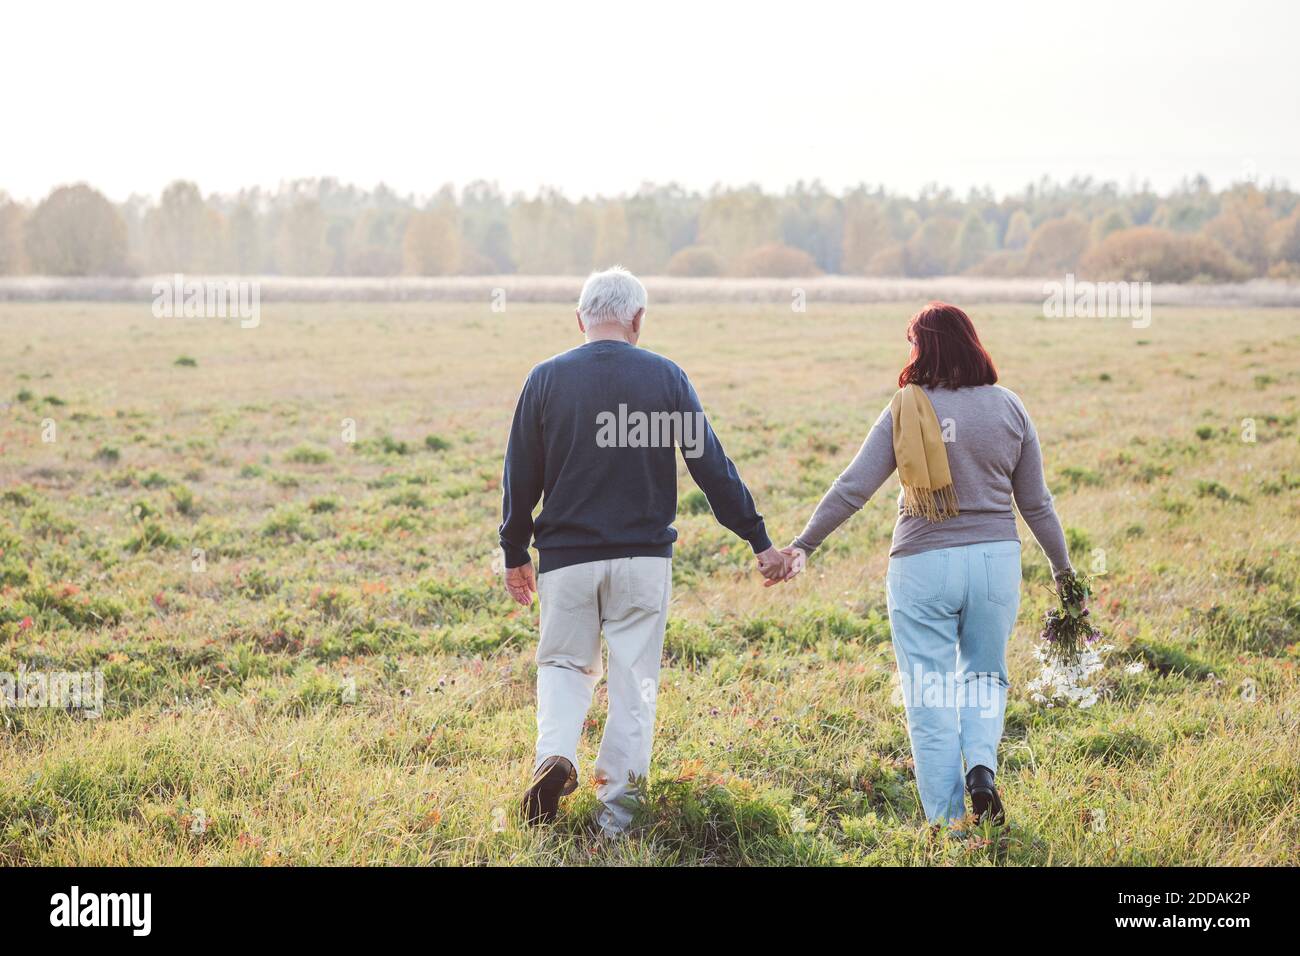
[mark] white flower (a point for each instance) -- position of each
(1137, 667)
(1066, 683)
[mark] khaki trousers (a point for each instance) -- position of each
(626, 599)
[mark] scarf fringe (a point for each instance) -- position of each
(932, 504)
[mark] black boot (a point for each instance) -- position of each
(555, 778)
(984, 799)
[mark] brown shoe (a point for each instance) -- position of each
(555, 778)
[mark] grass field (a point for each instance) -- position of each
(337, 676)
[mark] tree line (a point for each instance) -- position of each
(321, 227)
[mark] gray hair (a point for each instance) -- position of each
(614, 295)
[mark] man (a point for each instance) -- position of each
(595, 432)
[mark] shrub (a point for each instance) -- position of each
(151, 535)
(183, 499)
(256, 583)
(999, 265)
(23, 497)
(695, 503)
(1212, 489)
(1077, 541)
(695, 262)
(43, 521)
(13, 573)
(409, 498)
(307, 455)
(436, 443)
(287, 524)
(887, 262)
(387, 445)
(1157, 255)
(776, 261)
(1080, 476)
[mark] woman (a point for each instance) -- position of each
(964, 448)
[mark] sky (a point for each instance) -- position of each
(597, 98)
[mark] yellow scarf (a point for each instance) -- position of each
(922, 460)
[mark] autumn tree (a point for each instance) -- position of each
(13, 254)
(611, 236)
(431, 245)
(973, 243)
(75, 231)
(183, 234)
(374, 245)
(735, 221)
(1286, 241)
(813, 220)
(1243, 227)
(300, 246)
(551, 235)
(1019, 230)
(1056, 246)
(648, 241)
(1111, 221)
(930, 252)
(244, 238)
(866, 233)
(485, 245)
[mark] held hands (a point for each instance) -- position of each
(781, 565)
(521, 584)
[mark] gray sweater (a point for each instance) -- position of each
(993, 455)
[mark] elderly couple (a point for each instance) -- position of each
(594, 438)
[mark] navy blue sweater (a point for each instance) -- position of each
(594, 432)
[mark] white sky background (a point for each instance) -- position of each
(597, 97)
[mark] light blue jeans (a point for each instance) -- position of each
(952, 611)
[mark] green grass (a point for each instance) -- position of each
(308, 657)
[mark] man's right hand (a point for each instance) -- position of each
(773, 564)
(521, 584)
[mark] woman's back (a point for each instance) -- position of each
(984, 430)
(994, 459)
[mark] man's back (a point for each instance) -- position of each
(595, 433)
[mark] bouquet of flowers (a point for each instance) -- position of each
(1071, 650)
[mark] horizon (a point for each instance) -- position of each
(421, 197)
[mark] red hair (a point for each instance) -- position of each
(946, 351)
